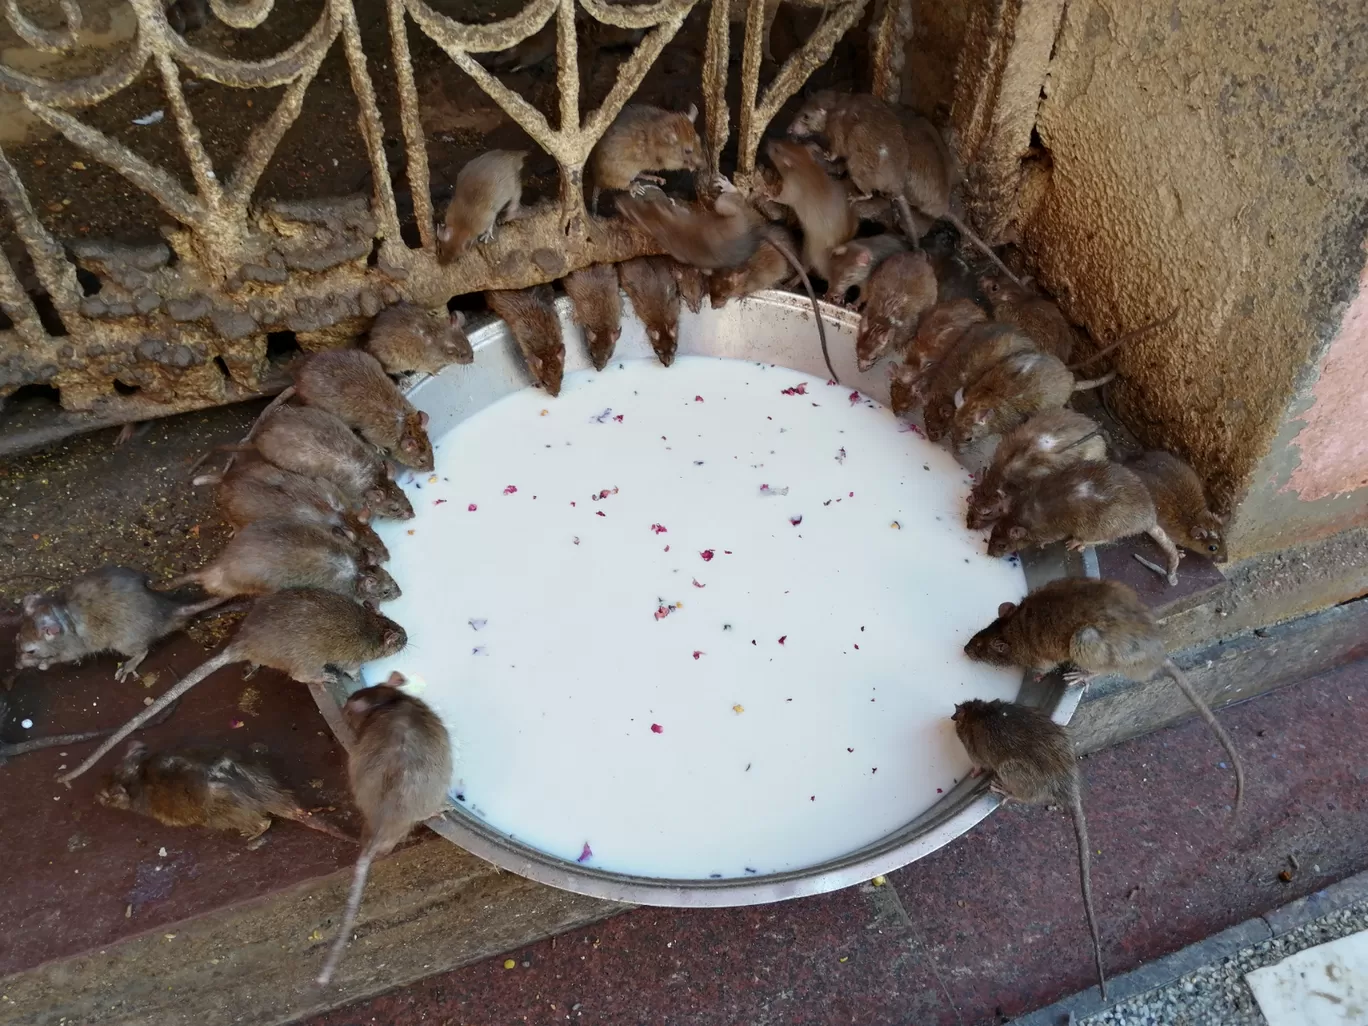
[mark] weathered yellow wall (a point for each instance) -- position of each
(1211, 157)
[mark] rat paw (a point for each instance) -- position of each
(1073, 545)
(1078, 678)
(487, 236)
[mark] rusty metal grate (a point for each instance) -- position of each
(185, 324)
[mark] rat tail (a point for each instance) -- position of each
(358, 886)
(228, 655)
(1129, 336)
(1082, 386)
(1180, 678)
(1085, 880)
(816, 309)
(979, 244)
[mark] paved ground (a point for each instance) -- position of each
(990, 926)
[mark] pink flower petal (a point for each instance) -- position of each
(795, 521)
(586, 854)
(599, 513)
(697, 653)
(511, 489)
(618, 418)
(438, 502)
(707, 555)
(783, 639)
(472, 508)
(698, 398)
(697, 585)
(798, 389)
(659, 528)
(854, 398)
(656, 728)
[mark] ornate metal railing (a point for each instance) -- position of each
(184, 324)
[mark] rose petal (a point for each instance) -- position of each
(659, 528)
(586, 854)
(795, 521)
(697, 585)
(599, 513)
(707, 555)
(697, 653)
(656, 728)
(511, 489)
(471, 508)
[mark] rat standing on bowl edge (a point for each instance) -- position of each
(107, 610)
(405, 338)
(400, 771)
(1044, 445)
(1082, 505)
(1032, 761)
(1101, 627)
(901, 289)
(309, 635)
(650, 284)
(643, 138)
(531, 318)
(596, 306)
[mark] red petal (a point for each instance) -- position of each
(438, 502)
(586, 854)
(707, 555)
(697, 653)
(656, 728)
(510, 489)
(658, 528)
(783, 639)
(471, 508)
(698, 398)
(697, 585)
(600, 513)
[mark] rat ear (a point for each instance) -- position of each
(395, 680)
(1006, 609)
(409, 444)
(422, 419)
(959, 398)
(654, 335)
(457, 317)
(47, 625)
(692, 114)
(1198, 533)
(444, 233)
(998, 645)
(363, 515)
(374, 496)
(394, 638)
(1016, 532)
(839, 250)
(862, 258)
(981, 416)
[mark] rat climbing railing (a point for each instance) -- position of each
(184, 324)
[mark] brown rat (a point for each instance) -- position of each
(487, 186)
(852, 263)
(1086, 504)
(531, 318)
(818, 200)
(956, 277)
(406, 338)
(940, 330)
(204, 787)
(1046, 443)
(351, 385)
(978, 348)
(278, 555)
(1180, 501)
(725, 235)
(693, 284)
(1101, 627)
(253, 489)
(901, 289)
(400, 772)
(315, 443)
(596, 306)
(643, 138)
(107, 610)
(889, 149)
(1010, 392)
(309, 635)
(650, 284)
(1032, 761)
(767, 268)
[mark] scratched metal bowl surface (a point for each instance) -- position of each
(774, 327)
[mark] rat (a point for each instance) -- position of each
(818, 200)
(400, 772)
(887, 149)
(1010, 392)
(938, 332)
(407, 339)
(1032, 761)
(1180, 500)
(596, 306)
(1046, 443)
(724, 236)
(957, 278)
(353, 386)
(205, 787)
(254, 490)
(10, 749)
(901, 289)
(852, 263)
(107, 610)
(1045, 323)
(643, 138)
(531, 318)
(487, 186)
(650, 284)
(693, 284)
(1086, 504)
(979, 347)
(767, 268)
(308, 634)
(315, 443)
(1101, 627)
(277, 555)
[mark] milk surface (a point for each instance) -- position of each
(695, 622)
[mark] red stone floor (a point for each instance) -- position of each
(988, 927)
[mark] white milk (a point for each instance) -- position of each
(769, 755)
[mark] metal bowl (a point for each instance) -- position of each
(772, 327)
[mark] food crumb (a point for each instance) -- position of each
(738, 709)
